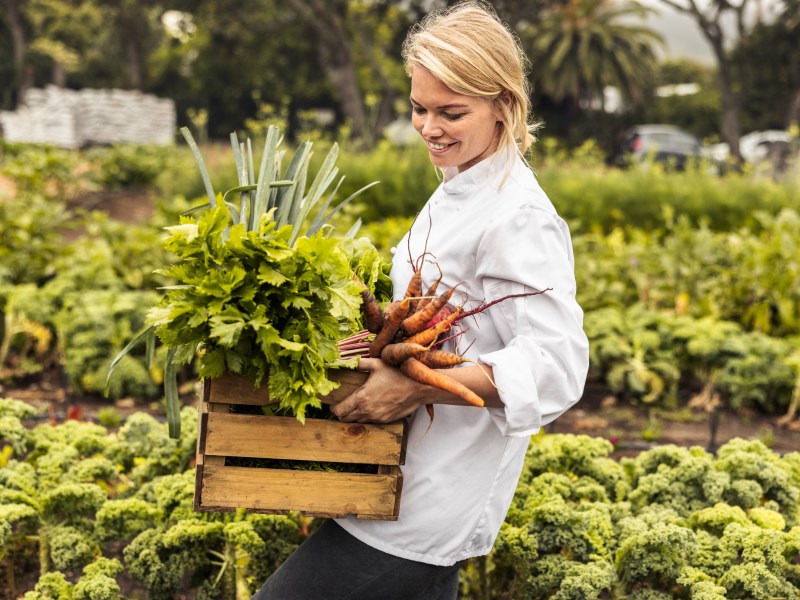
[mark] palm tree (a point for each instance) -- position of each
(580, 47)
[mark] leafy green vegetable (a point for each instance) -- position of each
(249, 303)
(259, 291)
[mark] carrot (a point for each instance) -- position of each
(427, 336)
(394, 319)
(414, 289)
(394, 354)
(419, 372)
(429, 295)
(389, 308)
(419, 320)
(373, 317)
(441, 359)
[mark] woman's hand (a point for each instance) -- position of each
(387, 395)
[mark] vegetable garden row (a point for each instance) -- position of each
(90, 514)
(688, 297)
(669, 309)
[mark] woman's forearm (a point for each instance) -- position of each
(477, 378)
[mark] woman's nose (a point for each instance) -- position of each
(430, 127)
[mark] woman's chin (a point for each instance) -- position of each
(441, 162)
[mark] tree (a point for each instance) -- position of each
(327, 20)
(709, 18)
(63, 31)
(231, 59)
(133, 25)
(23, 76)
(519, 12)
(358, 48)
(773, 95)
(87, 43)
(581, 47)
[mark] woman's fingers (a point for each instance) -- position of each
(384, 397)
(346, 406)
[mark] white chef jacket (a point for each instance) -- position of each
(460, 475)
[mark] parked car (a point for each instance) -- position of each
(666, 144)
(757, 146)
(760, 145)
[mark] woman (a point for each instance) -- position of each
(490, 228)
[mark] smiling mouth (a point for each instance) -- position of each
(435, 146)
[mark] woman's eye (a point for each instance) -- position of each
(453, 116)
(418, 110)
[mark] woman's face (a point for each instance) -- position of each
(458, 130)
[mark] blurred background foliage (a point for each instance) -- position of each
(336, 65)
(658, 253)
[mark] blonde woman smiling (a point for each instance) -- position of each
(491, 229)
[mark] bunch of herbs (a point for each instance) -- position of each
(263, 288)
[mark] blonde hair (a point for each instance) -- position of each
(472, 52)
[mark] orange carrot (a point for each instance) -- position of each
(431, 293)
(419, 372)
(427, 336)
(419, 320)
(441, 359)
(394, 354)
(414, 289)
(398, 311)
(373, 317)
(389, 308)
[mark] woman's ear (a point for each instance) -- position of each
(505, 98)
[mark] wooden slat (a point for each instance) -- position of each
(219, 409)
(237, 389)
(311, 492)
(317, 494)
(258, 436)
(202, 417)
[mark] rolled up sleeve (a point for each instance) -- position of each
(541, 368)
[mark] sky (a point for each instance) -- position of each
(682, 34)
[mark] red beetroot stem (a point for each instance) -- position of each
(483, 307)
(355, 345)
(442, 341)
(363, 352)
(356, 337)
(352, 345)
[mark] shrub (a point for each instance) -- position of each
(668, 535)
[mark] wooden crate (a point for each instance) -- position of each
(224, 435)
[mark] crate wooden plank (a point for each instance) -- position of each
(225, 433)
(258, 436)
(314, 493)
(237, 389)
(209, 408)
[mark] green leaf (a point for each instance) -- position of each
(345, 300)
(226, 328)
(171, 395)
(144, 334)
(271, 276)
(212, 364)
(296, 301)
(266, 175)
(200, 164)
(291, 346)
